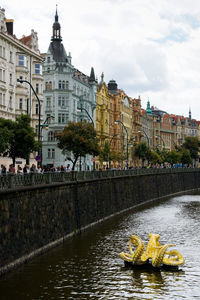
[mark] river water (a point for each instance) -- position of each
(89, 267)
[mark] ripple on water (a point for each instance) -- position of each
(89, 266)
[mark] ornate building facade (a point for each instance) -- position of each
(69, 95)
(19, 58)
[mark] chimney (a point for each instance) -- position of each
(9, 25)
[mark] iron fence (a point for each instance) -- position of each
(11, 181)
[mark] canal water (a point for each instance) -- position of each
(89, 267)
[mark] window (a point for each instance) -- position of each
(62, 118)
(10, 102)
(27, 105)
(20, 103)
(60, 84)
(22, 60)
(37, 88)
(63, 85)
(11, 56)
(2, 75)
(48, 102)
(48, 86)
(48, 59)
(48, 70)
(37, 109)
(2, 99)
(38, 69)
(59, 100)
(51, 153)
(62, 101)
(2, 52)
(50, 136)
(10, 78)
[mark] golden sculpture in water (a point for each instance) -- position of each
(154, 252)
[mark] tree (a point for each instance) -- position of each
(142, 151)
(105, 152)
(21, 138)
(78, 138)
(186, 157)
(192, 144)
(5, 136)
(155, 157)
(173, 157)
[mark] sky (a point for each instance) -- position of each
(151, 48)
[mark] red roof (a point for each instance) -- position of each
(26, 40)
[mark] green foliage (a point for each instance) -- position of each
(192, 144)
(78, 138)
(5, 137)
(20, 140)
(105, 152)
(155, 158)
(186, 157)
(142, 151)
(173, 157)
(116, 156)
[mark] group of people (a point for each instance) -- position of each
(33, 169)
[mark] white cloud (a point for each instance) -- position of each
(151, 48)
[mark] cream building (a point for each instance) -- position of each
(19, 58)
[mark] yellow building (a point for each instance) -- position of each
(102, 122)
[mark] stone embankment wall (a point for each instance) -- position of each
(33, 219)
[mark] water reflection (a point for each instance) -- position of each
(89, 267)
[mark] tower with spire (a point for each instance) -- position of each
(66, 89)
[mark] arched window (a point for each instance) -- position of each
(67, 84)
(50, 85)
(63, 85)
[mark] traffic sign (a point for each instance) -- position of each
(38, 158)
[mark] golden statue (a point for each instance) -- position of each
(155, 252)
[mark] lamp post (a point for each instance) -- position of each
(39, 112)
(157, 136)
(145, 135)
(81, 109)
(116, 122)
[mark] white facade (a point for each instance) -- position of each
(66, 89)
(19, 59)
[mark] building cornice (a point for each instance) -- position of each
(15, 42)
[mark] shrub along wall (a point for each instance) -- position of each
(34, 219)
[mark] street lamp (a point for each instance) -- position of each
(116, 122)
(157, 136)
(145, 135)
(39, 112)
(81, 109)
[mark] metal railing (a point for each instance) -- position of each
(11, 181)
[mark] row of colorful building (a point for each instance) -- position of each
(63, 93)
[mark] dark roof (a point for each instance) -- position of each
(92, 76)
(58, 51)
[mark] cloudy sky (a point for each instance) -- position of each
(150, 47)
